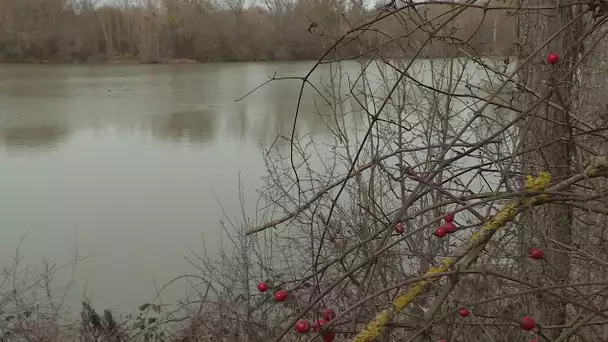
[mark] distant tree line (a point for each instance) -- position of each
(227, 30)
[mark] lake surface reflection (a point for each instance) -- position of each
(128, 164)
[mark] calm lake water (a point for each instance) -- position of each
(127, 165)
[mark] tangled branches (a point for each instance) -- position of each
(457, 135)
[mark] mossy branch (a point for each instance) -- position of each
(508, 213)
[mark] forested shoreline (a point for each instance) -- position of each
(228, 30)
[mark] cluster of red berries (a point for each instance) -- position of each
(279, 296)
(447, 228)
(303, 326)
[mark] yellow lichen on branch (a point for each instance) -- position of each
(538, 183)
(375, 328)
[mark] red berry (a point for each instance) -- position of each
(552, 58)
(464, 312)
(318, 324)
(399, 228)
(280, 295)
(329, 314)
(263, 287)
(302, 326)
(450, 217)
(536, 253)
(441, 232)
(527, 323)
(450, 227)
(329, 337)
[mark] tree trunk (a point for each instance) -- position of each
(577, 84)
(547, 130)
(592, 107)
